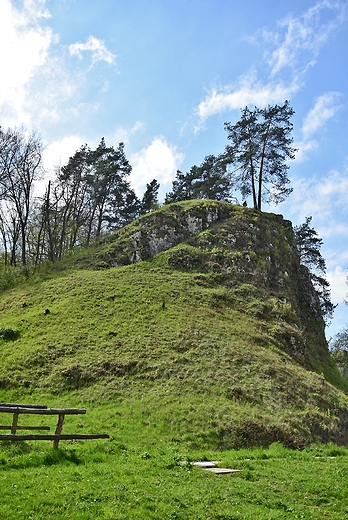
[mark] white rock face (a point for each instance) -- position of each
(194, 225)
(167, 240)
(212, 215)
(148, 242)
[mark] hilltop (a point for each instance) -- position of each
(197, 318)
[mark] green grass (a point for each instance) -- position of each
(201, 355)
(203, 350)
(122, 480)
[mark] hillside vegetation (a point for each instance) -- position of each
(195, 323)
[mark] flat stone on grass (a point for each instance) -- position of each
(205, 463)
(222, 470)
(209, 465)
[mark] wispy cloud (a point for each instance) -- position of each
(293, 46)
(298, 40)
(325, 108)
(96, 47)
(324, 199)
(248, 91)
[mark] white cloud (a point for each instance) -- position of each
(295, 50)
(123, 135)
(35, 9)
(324, 109)
(158, 161)
(248, 92)
(57, 153)
(97, 49)
(299, 40)
(337, 279)
(335, 186)
(27, 45)
(40, 86)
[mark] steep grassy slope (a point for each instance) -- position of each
(213, 338)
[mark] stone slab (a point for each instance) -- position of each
(205, 463)
(222, 470)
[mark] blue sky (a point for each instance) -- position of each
(164, 75)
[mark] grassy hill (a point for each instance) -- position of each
(194, 323)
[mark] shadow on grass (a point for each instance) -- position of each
(61, 456)
(21, 456)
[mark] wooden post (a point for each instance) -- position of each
(14, 423)
(59, 428)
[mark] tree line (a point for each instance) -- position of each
(87, 198)
(91, 195)
(254, 163)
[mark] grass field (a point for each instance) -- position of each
(200, 353)
(156, 480)
(144, 472)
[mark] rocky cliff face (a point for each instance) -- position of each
(244, 248)
(162, 230)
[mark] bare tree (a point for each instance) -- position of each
(20, 167)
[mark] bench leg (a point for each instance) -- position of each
(14, 423)
(59, 428)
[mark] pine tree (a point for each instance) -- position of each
(259, 152)
(308, 245)
(183, 186)
(210, 180)
(150, 198)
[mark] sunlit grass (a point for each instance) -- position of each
(177, 365)
(176, 350)
(113, 480)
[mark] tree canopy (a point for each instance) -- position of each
(150, 198)
(261, 145)
(308, 245)
(89, 197)
(210, 180)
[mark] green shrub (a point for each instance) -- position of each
(12, 276)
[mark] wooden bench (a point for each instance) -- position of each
(17, 409)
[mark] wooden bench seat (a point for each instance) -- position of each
(23, 409)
